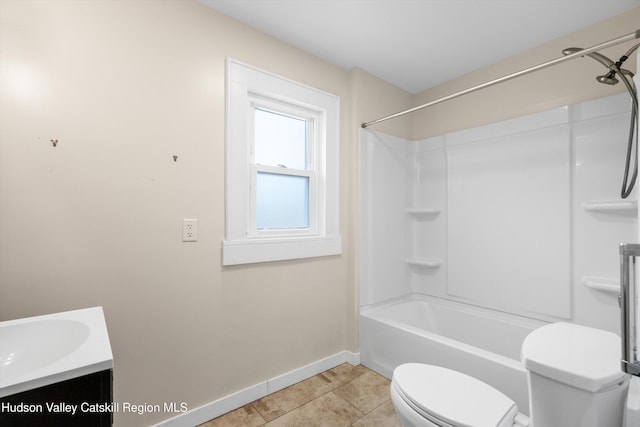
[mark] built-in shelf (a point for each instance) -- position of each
(424, 211)
(610, 286)
(425, 262)
(611, 206)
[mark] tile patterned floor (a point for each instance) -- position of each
(343, 396)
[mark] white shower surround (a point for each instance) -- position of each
(471, 240)
(521, 216)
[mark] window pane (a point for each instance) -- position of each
(282, 201)
(280, 140)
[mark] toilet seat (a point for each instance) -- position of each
(452, 399)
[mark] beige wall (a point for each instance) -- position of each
(564, 84)
(124, 86)
(374, 98)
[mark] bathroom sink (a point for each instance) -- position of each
(28, 347)
(43, 350)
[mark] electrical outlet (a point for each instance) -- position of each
(189, 230)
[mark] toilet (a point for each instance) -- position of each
(574, 380)
(432, 396)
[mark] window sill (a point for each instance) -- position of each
(278, 249)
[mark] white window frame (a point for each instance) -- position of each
(248, 87)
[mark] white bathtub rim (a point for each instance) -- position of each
(520, 320)
(94, 355)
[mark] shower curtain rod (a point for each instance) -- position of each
(618, 40)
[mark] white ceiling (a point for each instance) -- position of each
(417, 44)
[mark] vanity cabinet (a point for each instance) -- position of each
(85, 401)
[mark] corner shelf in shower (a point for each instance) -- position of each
(424, 211)
(610, 206)
(610, 286)
(425, 262)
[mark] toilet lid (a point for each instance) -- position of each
(453, 397)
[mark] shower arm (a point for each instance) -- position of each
(595, 55)
(627, 37)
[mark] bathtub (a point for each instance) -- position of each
(482, 343)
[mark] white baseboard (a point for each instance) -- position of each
(240, 398)
(353, 358)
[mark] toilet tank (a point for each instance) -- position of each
(574, 376)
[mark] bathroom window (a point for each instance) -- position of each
(282, 169)
(283, 176)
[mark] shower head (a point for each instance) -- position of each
(608, 79)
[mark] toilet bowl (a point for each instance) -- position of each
(574, 380)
